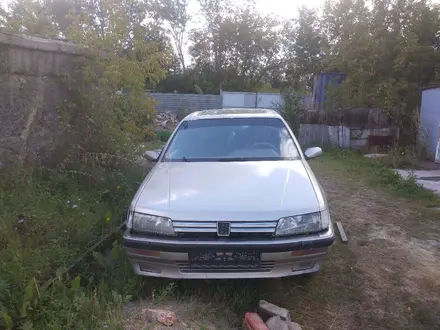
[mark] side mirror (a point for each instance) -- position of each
(151, 155)
(313, 152)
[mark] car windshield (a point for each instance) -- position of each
(231, 139)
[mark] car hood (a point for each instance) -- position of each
(228, 190)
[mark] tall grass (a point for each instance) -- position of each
(48, 218)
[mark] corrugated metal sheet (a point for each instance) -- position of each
(250, 100)
(430, 120)
(320, 84)
(257, 100)
(233, 100)
(238, 100)
(269, 100)
(176, 102)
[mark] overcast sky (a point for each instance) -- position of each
(285, 8)
(282, 8)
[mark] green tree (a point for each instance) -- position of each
(305, 47)
(173, 14)
(237, 47)
(122, 53)
(31, 17)
(351, 50)
(389, 53)
(117, 58)
(3, 16)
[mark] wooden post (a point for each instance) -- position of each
(342, 232)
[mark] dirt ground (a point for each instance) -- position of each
(386, 277)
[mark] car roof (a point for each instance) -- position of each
(233, 113)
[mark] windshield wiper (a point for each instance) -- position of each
(231, 159)
(247, 159)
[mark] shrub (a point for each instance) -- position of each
(292, 109)
(163, 135)
(111, 111)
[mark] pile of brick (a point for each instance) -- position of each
(166, 120)
(269, 317)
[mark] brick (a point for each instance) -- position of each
(293, 326)
(276, 323)
(267, 310)
(252, 321)
(159, 316)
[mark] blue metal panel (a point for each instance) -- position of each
(430, 119)
(320, 84)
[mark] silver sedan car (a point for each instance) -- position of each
(231, 196)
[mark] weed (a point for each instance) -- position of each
(47, 219)
(163, 136)
(403, 158)
(163, 292)
(292, 108)
(375, 172)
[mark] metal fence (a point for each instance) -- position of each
(251, 100)
(258, 100)
(338, 136)
(177, 102)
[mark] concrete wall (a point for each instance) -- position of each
(31, 90)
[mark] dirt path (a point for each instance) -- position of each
(387, 277)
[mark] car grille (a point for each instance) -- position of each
(213, 236)
(239, 229)
(222, 267)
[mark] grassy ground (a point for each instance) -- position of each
(387, 277)
(48, 219)
(378, 173)
(392, 277)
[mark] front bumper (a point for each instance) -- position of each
(168, 257)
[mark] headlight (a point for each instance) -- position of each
(153, 224)
(129, 220)
(303, 224)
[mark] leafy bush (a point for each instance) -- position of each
(110, 111)
(292, 109)
(163, 135)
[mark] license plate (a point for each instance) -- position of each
(225, 257)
